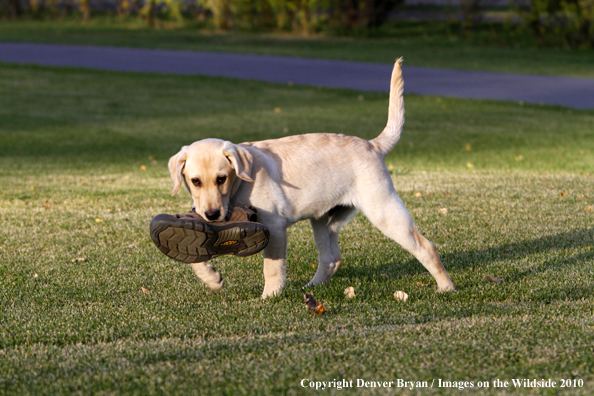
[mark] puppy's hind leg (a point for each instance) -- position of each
(325, 230)
(208, 274)
(387, 212)
(328, 251)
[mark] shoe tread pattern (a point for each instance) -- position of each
(191, 241)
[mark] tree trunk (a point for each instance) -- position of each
(85, 9)
(305, 25)
(14, 9)
(151, 13)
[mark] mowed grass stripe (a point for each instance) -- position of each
(116, 118)
(226, 366)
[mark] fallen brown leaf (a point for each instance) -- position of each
(349, 292)
(495, 280)
(400, 296)
(315, 308)
(320, 310)
(145, 290)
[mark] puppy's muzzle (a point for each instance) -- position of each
(212, 215)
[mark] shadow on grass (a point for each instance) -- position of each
(475, 260)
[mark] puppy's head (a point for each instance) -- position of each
(212, 170)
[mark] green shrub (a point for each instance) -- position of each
(302, 16)
(357, 14)
(305, 16)
(568, 22)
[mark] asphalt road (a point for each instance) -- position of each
(575, 93)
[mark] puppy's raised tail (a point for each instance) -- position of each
(386, 141)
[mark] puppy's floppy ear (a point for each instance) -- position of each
(240, 159)
(176, 168)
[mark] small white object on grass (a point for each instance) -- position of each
(349, 292)
(401, 296)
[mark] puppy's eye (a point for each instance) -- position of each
(221, 180)
(196, 182)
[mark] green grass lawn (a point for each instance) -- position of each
(83, 169)
(430, 44)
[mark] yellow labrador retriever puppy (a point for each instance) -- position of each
(325, 178)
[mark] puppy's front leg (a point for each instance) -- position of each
(275, 263)
(208, 274)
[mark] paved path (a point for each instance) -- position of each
(571, 92)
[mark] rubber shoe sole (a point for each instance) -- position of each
(195, 241)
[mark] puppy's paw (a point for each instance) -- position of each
(209, 275)
(446, 288)
(216, 287)
(318, 280)
(324, 273)
(271, 292)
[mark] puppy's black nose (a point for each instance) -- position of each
(212, 214)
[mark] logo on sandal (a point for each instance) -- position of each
(228, 243)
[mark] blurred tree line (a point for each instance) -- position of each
(553, 22)
(571, 21)
(568, 23)
(303, 16)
